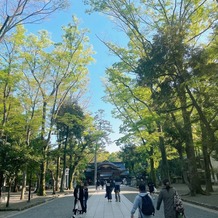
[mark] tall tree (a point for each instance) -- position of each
(70, 127)
(56, 74)
(10, 77)
(133, 107)
(182, 23)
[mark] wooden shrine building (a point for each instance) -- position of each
(107, 170)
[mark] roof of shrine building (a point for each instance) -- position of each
(118, 166)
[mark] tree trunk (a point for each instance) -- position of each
(64, 163)
(42, 178)
(70, 178)
(1, 182)
(153, 176)
(57, 185)
(194, 181)
(95, 165)
(44, 152)
(152, 173)
(164, 165)
(207, 172)
(9, 193)
(71, 171)
(53, 182)
(30, 186)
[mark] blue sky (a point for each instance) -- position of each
(102, 27)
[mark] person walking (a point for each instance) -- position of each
(97, 185)
(102, 184)
(117, 189)
(138, 203)
(80, 199)
(85, 197)
(166, 195)
(109, 188)
(151, 188)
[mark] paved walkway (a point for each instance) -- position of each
(99, 207)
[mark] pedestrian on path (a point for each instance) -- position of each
(138, 203)
(102, 184)
(117, 189)
(80, 199)
(97, 185)
(85, 197)
(166, 195)
(109, 188)
(151, 188)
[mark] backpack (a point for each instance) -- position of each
(147, 205)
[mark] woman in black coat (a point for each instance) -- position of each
(81, 195)
(85, 197)
(109, 188)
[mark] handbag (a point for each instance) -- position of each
(78, 205)
(178, 205)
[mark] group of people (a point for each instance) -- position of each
(113, 185)
(81, 194)
(166, 195)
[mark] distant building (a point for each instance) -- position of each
(107, 170)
